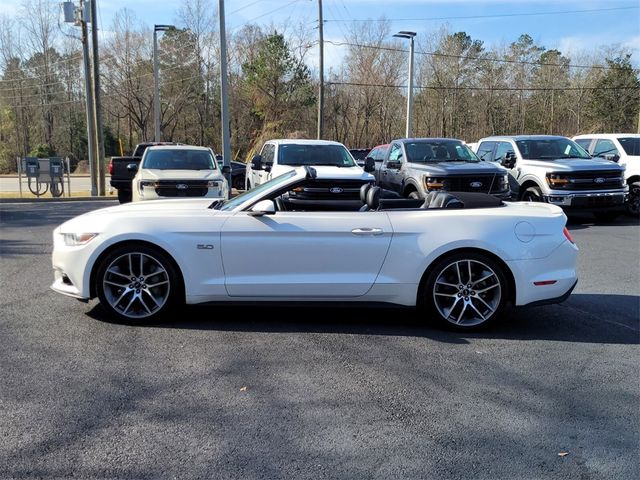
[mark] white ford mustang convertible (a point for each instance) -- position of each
(461, 256)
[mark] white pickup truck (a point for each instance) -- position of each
(169, 171)
(623, 148)
(556, 170)
(329, 159)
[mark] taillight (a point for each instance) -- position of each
(110, 167)
(568, 235)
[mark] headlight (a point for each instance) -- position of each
(145, 183)
(433, 183)
(556, 180)
(504, 182)
(212, 184)
(75, 239)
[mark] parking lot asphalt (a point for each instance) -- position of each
(340, 393)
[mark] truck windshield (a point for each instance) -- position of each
(254, 193)
(432, 151)
(179, 159)
(300, 154)
(550, 149)
(631, 145)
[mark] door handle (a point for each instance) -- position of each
(367, 231)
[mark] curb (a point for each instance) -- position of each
(60, 199)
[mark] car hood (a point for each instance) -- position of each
(457, 168)
(574, 164)
(154, 174)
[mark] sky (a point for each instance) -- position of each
(609, 21)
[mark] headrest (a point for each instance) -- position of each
(363, 192)
(373, 198)
(428, 199)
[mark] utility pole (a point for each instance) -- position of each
(156, 80)
(96, 98)
(91, 129)
(410, 36)
(321, 65)
(224, 98)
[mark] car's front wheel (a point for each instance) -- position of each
(532, 194)
(466, 291)
(137, 284)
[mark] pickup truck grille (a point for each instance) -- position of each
(181, 188)
(472, 183)
(330, 190)
(597, 180)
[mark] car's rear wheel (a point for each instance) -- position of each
(466, 291)
(137, 284)
(532, 194)
(632, 206)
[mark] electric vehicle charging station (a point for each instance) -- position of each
(45, 174)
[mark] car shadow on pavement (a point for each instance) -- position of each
(580, 221)
(588, 318)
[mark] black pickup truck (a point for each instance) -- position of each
(121, 174)
(413, 167)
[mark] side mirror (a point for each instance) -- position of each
(263, 207)
(369, 165)
(218, 158)
(226, 169)
(132, 167)
(396, 164)
(613, 157)
(267, 167)
(256, 162)
(509, 160)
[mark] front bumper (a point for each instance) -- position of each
(587, 200)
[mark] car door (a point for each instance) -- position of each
(390, 172)
(304, 254)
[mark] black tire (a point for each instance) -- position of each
(122, 283)
(124, 196)
(632, 205)
(607, 215)
(238, 182)
(483, 302)
(413, 195)
(532, 194)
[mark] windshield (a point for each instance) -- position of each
(254, 193)
(300, 154)
(631, 145)
(179, 159)
(550, 149)
(432, 151)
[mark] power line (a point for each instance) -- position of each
(493, 89)
(499, 15)
(466, 57)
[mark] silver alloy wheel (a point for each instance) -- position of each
(467, 293)
(136, 285)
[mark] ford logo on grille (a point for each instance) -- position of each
(599, 180)
(475, 184)
(336, 190)
(182, 186)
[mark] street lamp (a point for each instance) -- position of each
(410, 36)
(156, 86)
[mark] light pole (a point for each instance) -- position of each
(410, 36)
(224, 98)
(156, 83)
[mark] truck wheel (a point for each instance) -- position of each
(632, 205)
(532, 194)
(124, 196)
(413, 195)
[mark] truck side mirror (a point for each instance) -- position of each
(509, 160)
(132, 167)
(256, 162)
(369, 165)
(267, 167)
(614, 157)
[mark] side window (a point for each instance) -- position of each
(485, 151)
(396, 153)
(584, 143)
(501, 151)
(374, 153)
(267, 153)
(605, 147)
